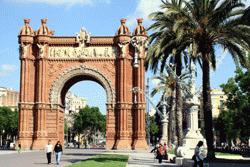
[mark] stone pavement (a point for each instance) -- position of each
(38, 158)
(146, 159)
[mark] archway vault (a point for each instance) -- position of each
(92, 74)
(50, 65)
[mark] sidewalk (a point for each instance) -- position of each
(38, 158)
(145, 159)
(29, 158)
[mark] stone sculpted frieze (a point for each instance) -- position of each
(83, 37)
(23, 50)
(82, 52)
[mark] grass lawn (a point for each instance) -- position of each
(226, 154)
(105, 160)
(221, 155)
(229, 158)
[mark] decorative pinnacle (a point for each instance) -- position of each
(123, 21)
(44, 21)
(26, 21)
(139, 20)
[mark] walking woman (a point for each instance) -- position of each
(58, 151)
(198, 157)
(160, 152)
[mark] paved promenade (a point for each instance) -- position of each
(38, 158)
(146, 160)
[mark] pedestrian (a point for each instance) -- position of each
(198, 157)
(154, 149)
(165, 151)
(19, 148)
(58, 151)
(48, 150)
(160, 152)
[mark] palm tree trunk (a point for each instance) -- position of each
(172, 118)
(170, 135)
(207, 108)
(179, 117)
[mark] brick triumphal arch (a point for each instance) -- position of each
(50, 65)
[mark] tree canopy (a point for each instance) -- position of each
(198, 26)
(8, 121)
(88, 121)
(235, 121)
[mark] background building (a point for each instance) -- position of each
(73, 104)
(9, 98)
(218, 99)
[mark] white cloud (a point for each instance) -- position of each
(6, 69)
(143, 9)
(63, 2)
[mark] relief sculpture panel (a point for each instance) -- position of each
(82, 52)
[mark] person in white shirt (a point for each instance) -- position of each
(48, 150)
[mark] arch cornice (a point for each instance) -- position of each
(66, 75)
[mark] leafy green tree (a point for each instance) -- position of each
(226, 126)
(66, 126)
(153, 129)
(8, 122)
(201, 25)
(88, 121)
(235, 122)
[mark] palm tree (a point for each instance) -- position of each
(203, 25)
(166, 86)
(165, 45)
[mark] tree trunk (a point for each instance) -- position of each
(172, 118)
(170, 125)
(179, 116)
(207, 108)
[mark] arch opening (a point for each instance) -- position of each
(85, 109)
(71, 76)
(75, 80)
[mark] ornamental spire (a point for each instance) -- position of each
(43, 29)
(123, 29)
(26, 29)
(140, 30)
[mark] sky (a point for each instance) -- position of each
(66, 17)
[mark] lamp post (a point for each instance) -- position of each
(161, 115)
(137, 89)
